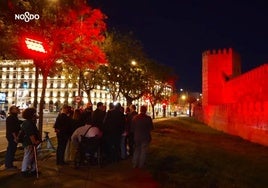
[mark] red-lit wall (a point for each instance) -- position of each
(217, 68)
(234, 103)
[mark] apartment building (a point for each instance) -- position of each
(17, 82)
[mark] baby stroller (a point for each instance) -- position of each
(89, 151)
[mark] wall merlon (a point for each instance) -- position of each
(222, 51)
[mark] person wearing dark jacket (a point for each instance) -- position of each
(142, 125)
(98, 116)
(12, 130)
(130, 134)
(32, 139)
(114, 123)
(63, 128)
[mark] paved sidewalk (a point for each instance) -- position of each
(113, 175)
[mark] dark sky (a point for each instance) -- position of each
(176, 32)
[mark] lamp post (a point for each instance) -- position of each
(38, 51)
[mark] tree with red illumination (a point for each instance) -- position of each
(71, 32)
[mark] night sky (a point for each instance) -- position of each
(176, 33)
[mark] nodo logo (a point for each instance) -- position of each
(27, 16)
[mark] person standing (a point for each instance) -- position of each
(87, 114)
(130, 135)
(12, 129)
(114, 123)
(76, 122)
(98, 116)
(63, 128)
(124, 136)
(32, 139)
(142, 125)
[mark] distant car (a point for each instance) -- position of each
(3, 115)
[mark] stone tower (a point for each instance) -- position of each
(218, 67)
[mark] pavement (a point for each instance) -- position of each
(120, 174)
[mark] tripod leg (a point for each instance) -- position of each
(49, 143)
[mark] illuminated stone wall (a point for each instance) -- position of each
(218, 68)
(233, 102)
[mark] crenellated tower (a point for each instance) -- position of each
(218, 67)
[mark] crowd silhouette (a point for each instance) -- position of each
(120, 133)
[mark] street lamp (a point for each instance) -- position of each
(38, 52)
(133, 62)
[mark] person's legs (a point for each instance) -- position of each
(117, 146)
(136, 155)
(131, 143)
(143, 154)
(27, 158)
(62, 141)
(123, 147)
(10, 153)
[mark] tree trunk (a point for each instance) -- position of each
(88, 96)
(190, 109)
(42, 102)
(79, 82)
(36, 87)
(129, 101)
(164, 111)
(153, 111)
(152, 105)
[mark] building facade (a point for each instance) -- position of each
(17, 79)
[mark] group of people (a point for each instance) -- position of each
(27, 129)
(123, 133)
(120, 130)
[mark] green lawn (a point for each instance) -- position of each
(186, 153)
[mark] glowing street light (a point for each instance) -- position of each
(133, 62)
(183, 97)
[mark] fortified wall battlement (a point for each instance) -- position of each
(218, 51)
(250, 86)
(233, 102)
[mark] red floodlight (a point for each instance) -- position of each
(35, 45)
